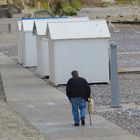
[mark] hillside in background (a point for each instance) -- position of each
(65, 7)
(31, 3)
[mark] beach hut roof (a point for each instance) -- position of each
(79, 30)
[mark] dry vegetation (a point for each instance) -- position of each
(85, 2)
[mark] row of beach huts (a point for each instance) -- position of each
(56, 46)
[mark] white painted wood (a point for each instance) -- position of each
(40, 28)
(39, 56)
(51, 60)
(42, 56)
(29, 43)
(89, 57)
(75, 30)
(29, 50)
(27, 25)
(19, 22)
(87, 52)
(40, 25)
(45, 66)
(20, 47)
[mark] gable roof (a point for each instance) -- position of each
(79, 30)
(27, 24)
(41, 24)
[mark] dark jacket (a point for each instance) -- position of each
(78, 87)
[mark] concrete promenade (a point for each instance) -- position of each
(49, 110)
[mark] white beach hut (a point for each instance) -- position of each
(29, 43)
(20, 49)
(81, 46)
(40, 29)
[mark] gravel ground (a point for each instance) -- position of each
(127, 37)
(129, 59)
(128, 87)
(116, 13)
(128, 115)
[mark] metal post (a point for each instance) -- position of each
(115, 102)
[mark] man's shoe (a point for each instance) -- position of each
(76, 124)
(83, 121)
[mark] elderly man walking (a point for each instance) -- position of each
(78, 91)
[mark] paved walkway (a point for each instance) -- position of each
(48, 109)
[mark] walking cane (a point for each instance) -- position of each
(89, 110)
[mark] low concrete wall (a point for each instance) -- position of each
(8, 25)
(2, 93)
